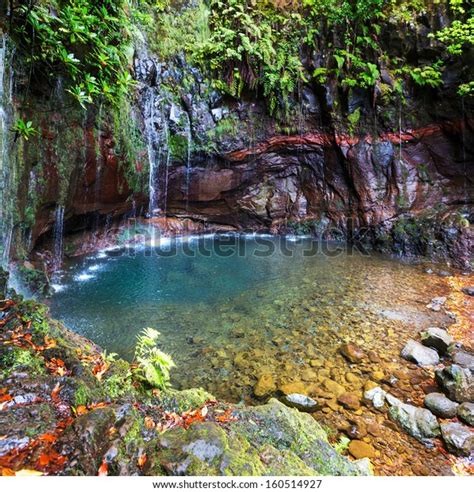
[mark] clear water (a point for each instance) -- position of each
(275, 302)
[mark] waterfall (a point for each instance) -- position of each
(152, 157)
(189, 140)
(58, 233)
(166, 149)
(6, 102)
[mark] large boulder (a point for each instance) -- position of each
(421, 355)
(418, 422)
(441, 406)
(459, 439)
(457, 382)
(437, 338)
(270, 439)
(466, 412)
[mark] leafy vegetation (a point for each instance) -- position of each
(153, 365)
(86, 42)
(24, 129)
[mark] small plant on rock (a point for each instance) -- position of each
(153, 365)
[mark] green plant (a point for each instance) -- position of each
(84, 41)
(153, 365)
(342, 445)
(24, 129)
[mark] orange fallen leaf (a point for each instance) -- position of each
(103, 469)
(142, 460)
(48, 438)
(55, 392)
(4, 398)
(7, 472)
(81, 410)
(149, 423)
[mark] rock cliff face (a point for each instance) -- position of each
(398, 177)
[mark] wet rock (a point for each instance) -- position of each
(334, 388)
(265, 385)
(349, 401)
(469, 291)
(436, 303)
(437, 338)
(457, 382)
(360, 449)
(441, 406)
(423, 356)
(444, 274)
(276, 425)
(466, 412)
(352, 352)
(301, 402)
(356, 429)
(459, 439)
(289, 388)
(376, 396)
(418, 422)
(462, 358)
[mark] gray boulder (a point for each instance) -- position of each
(459, 439)
(437, 338)
(441, 406)
(466, 412)
(457, 382)
(301, 402)
(418, 422)
(421, 355)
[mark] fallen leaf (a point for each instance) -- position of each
(103, 469)
(7, 472)
(149, 423)
(142, 460)
(81, 410)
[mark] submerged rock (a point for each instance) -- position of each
(352, 352)
(441, 406)
(418, 422)
(289, 388)
(301, 402)
(421, 355)
(459, 439)
(457, 382)
(361, 449)
(349, 400)
(265, 385)
(436, 303)
(437, 338)
(469, 291)
(466, 412)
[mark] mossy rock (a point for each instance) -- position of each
(271, 439)
(173, 400)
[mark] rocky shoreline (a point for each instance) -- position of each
(50, 376)
(66, 409)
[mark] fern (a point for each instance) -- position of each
(153, 365)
